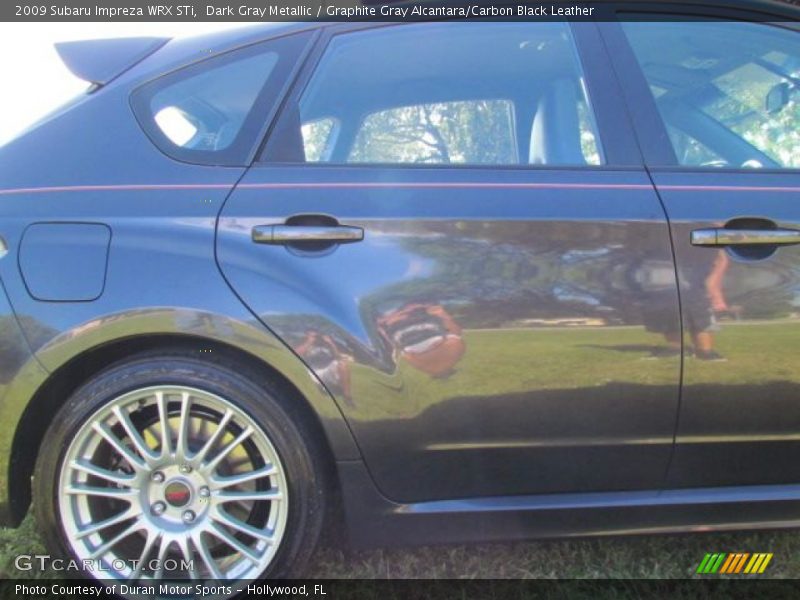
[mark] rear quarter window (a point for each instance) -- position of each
(212, 112)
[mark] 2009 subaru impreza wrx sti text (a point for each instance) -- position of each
(524, 279)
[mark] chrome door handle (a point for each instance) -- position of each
(745, 237)
(292, 234)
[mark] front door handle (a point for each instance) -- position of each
(293, 234)
(745, 237)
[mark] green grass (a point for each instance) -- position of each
(631, 557)
(498, 362)
(566, 359)
(634, 557)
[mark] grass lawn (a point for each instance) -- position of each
(635, 557)
(492, 363)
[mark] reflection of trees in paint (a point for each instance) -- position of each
(487, 274)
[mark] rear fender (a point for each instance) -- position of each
(247, 336)
(203, 328)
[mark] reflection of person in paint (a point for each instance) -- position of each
(702, 298)
(328, 361)
(426, 336)
(716, 295)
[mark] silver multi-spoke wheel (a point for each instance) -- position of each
(169, 476)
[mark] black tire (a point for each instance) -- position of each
(265, 403)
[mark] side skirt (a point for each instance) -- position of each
(373, 520)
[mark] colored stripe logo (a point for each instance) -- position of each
(745, 563)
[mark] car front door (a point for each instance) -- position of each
(722, 96)
(483, 282)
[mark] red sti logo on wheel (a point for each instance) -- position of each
(177, 493)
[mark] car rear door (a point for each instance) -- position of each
(478, 277)
(718, 103)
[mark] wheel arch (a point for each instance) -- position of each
(308, 396)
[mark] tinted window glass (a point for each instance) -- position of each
(318, 138)
(212, 111)
(728, 92)
(206, 111)
(445, 93)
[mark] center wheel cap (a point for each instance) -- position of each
(177, 494)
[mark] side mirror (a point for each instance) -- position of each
(778, 97)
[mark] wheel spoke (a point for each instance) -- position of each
(186, 551)
(101, 550)
(125, 515)
(223, 482)
(163, 548)
(138, 442)
(122, 479)
(231, 541)
(182, 446)
(163, 417)
(121, 448)
(106, 492)
(201, 455)
(257, 495)
(248, 431)
(225, 519)
(152, 538)
(205, 556)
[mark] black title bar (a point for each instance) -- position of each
(365, 10)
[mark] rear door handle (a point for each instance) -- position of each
(745, 237)
(292, 234)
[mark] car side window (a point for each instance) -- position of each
(211, 111)
(318, 138)
(728, 92)
(445, 94)
(465, 131)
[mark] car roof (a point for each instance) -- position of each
(180, 52)
(245, 35)
(183, 51)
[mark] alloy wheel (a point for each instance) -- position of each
(173, 482)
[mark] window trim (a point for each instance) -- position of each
(619, 150)
(605, 99)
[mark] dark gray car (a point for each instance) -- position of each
(467, 281)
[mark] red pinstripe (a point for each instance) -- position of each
(401, 185)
